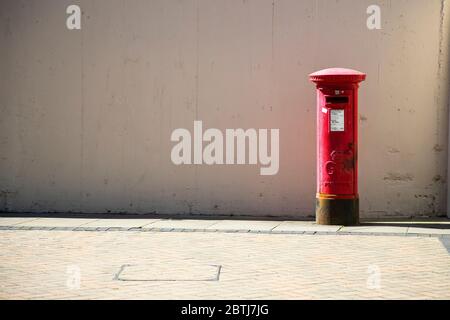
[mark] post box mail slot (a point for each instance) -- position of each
(336, 100)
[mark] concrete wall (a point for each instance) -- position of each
(86, 115)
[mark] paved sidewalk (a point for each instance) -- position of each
(133, 259)
(407, 227)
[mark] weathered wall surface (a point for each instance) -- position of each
(86, 116)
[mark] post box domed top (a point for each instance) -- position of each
(337, 75)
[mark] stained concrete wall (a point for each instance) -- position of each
(86, 116)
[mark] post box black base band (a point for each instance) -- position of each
(337, 211)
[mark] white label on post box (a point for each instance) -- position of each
(337, 120)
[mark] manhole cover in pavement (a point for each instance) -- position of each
(168, 272)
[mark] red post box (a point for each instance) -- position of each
(337, 201)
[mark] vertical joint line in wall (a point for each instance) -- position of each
(440, 52)
(438, 98)
(440, 44)
(316, 28)
(197, 75)
(273, 26)
(441, 36)
(82, 119)
(197, 30)
(440, 66)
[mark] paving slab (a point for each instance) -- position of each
(376, 229)
(444, 222)
(420, 228)
(304, 226)
(55, 222)
(6, 222)
(415, 230)
(121, 223)
(244, 225)
(182, 224)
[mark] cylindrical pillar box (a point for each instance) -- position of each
(337, 199)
